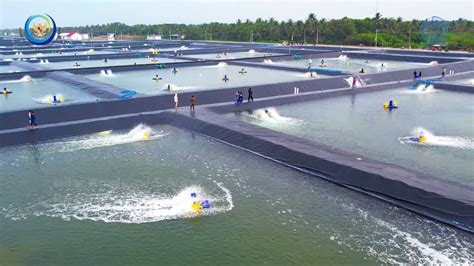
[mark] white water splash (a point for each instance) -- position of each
(48, 99)
(176, 88)
(131, 207)
(400, 246)
(141, 132)
(422, 89)
(107, 73)
(350, 81)
(271, 115)
(433, 140)
(26, 78)
(309, 75)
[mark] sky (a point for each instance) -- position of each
(13, 13)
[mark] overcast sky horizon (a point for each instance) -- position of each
(13, 13)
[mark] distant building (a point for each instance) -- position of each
(73, 36)
(176, 37)
(110, 36)
(153, 37)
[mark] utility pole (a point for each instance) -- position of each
(409, 39)
(317, 36)
(304, 36)
(251, 36)
(376, 33)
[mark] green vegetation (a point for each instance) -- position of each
(392, 32)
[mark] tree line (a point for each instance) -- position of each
(390, 32)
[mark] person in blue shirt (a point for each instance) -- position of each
(31, 119)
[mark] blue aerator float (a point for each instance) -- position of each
(198, 206)
(126, 94)
(417, 83)
(328, 71)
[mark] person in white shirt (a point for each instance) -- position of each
(176, 101)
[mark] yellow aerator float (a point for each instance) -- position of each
(390, 105)
(420, 137)
(55, 99)
(147, 134)
(196, 207)
(5, 92)
(169, 88)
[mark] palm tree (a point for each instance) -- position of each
(311, 24)
(291, 28)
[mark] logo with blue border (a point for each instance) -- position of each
(40, 29)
